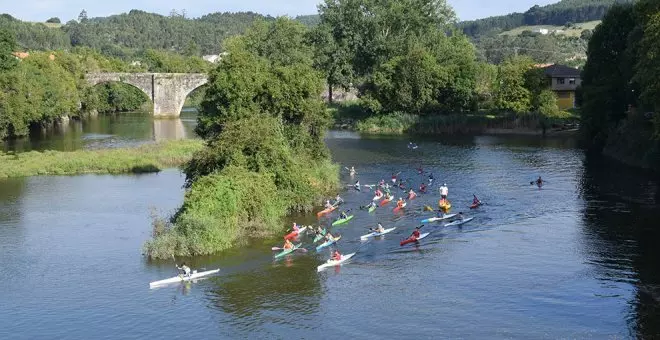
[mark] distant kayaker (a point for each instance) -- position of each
(357, 185)
(440, 213)
(394, 177)
(336, 255)
(475, 200)
(400, 203)
(460, 216)
(371, 205)
(381, 183)
(422, 188)
(378, 193)
(420, 170)
(287, 244)
(411, 194)
(328, 205)
(444, 191)
(352, 171)
(388, 195)
(185, 269)
(402, 186)
(343, 215)
(379, 228)
(539, 181)
(339, 200)
(431, 178)
(295, 227)
(320, 231)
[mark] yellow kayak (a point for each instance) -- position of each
(444, 205)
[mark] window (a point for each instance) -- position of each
(571, 81)
(561, 81)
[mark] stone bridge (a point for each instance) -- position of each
(167, 91)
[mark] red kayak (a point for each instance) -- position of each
(291, 236)
(385, 201)
(325, 211)
(413, 239)
(475, 205)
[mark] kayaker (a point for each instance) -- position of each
(370, 205)
(394, 177)
(539, 181)
(330, 238)
(287, 244)
(328, 205)
(343, 215)
(422, 188)
(357, 185)
(185, 269)
(402, 186)
(400, 203)
(388, 195)
(444, 191)
(378, 193)
(381, 183)
(352, 171)
(440, 213)
(431, 178)
(320, 231)
(295, 227)
(475, 200)
(415, 234)
(411, 193)
(420, 170)
(339, 200)
(336, 255)
(460, 216)
(379, 228)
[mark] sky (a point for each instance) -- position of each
(41, 10)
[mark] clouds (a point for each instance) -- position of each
(40, 10)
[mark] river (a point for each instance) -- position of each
(577, 259)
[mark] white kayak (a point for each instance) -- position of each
(459, 222)
(181, 278)
(434, 219)
(377, 197)
(332, 263)
(375, 234)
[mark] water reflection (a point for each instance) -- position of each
(106, 131)
(621, 237)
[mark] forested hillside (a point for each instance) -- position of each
(561, 13)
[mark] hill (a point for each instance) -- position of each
(558, 14)
(573, 30)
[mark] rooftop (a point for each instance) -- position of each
(561, 71)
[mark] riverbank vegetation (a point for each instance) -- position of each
(145, 158)
(622, 85)
(263, 121)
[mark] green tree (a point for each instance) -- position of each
(7, 47)
(512, 93)
(54, 20)
(605, 78)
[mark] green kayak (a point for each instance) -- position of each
(288, 251)
(342, 221)
(320, 236)
(372, 208)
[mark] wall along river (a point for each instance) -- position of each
(576, 259)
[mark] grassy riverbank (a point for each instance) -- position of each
(350, 116)
(145, 158)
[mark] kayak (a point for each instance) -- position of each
(385, 201)
(288, 251)
(292, 235)
(332, 263)
(411, 240)
(459, 222)
(474, 205)
(326, 211)
(328, 243)
(433, 219)
(372, 208)
(400, 207)
(445, 206)
(182, 278)
(376, 234)
(320, 236)
(377, 197)
(342, 221)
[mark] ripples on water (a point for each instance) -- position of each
(576, 259)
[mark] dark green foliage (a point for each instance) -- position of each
(118, 97)
(54, 20)
(542, 48)
(36, 36)
(7, 47)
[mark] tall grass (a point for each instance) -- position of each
(142, 159)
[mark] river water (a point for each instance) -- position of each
(577, 259)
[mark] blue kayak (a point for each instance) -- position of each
(328, 243)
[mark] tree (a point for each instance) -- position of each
(586, 34)
(54, 20)
(606, 75)
(7, 47)
(512, 94)
(332, 59)
(82, 17)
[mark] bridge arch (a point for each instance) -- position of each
(167, 91)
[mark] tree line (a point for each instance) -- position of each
(559, 14)
(621, 84)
